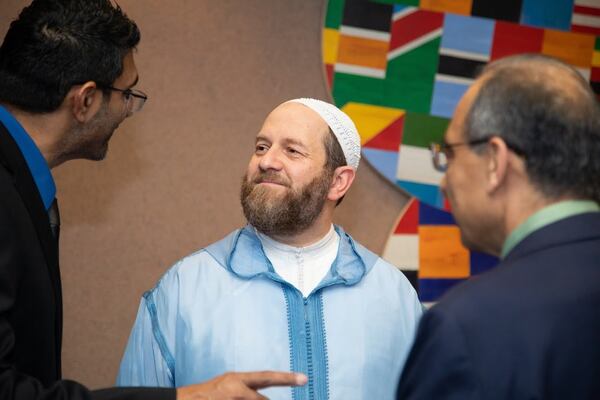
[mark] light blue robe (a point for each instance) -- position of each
(224, 309)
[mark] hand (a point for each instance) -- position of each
(239, 385)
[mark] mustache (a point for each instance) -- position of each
(270, 177)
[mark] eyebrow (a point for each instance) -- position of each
(286, 141)
(261, 137)
(295, 142)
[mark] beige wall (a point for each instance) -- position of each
(213, 70)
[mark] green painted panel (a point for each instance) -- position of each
(422, 129)
(417, 69)
(335, 13)
(404, 94)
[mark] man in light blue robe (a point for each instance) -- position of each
(290, 291)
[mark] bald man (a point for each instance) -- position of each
(522, 163)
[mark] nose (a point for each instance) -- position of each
(271, 160)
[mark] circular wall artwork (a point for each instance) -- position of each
(398, 68)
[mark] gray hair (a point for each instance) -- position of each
(546, 112)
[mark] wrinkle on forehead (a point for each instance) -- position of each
(295, 115)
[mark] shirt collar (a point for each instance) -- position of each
(546, 216)
(242, 253)
(33, 157)
(317, 247)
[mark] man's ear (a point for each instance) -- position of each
(85, 101)
(497, 163)
(341, 182)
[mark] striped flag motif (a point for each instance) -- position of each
(586, 17)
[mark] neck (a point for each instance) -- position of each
(46, 131)
(522, 206)
(312, 234)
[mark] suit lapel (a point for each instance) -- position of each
(11, 157)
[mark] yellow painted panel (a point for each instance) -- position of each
(596, 59)
(441, 253)
(369, 119)
(574, 48)
(363, 52)
(331, 39)
(453, 6)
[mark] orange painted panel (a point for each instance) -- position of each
(363, 52)
(453, 6)
(573, 48)
(441, 253)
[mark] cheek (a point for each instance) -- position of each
(448, 185)
(444, 184)
(113, 118)
(253, 170)
(252, 165)
(453, 189)
(298, 182)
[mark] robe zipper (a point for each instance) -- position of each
(307, 340)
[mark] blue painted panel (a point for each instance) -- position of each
(470, 34)
(555, 14)
(433, 289)
(384, 161)
(434, 216)
(446, 96)
(429, 194)
(400, 7)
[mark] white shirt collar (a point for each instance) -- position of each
(274, 245)
(302, 267)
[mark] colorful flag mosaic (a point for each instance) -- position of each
(425, 244)
(465, 48)
(399, 67)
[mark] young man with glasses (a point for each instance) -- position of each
(67, 77)
(522, 165)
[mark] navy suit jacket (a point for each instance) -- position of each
(30, 295)
(528, 329)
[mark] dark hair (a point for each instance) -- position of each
(334, 156)
(547, 112)
(55, 44)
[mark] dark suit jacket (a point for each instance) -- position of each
(529, 329)
(30, 294)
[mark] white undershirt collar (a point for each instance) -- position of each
(302, 267)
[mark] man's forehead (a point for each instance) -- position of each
(298, 111)
(294, 121)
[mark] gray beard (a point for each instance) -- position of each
(285, 215)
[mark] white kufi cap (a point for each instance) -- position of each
(341, 125)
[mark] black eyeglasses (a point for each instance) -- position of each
(441, 152)
(134, 99)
